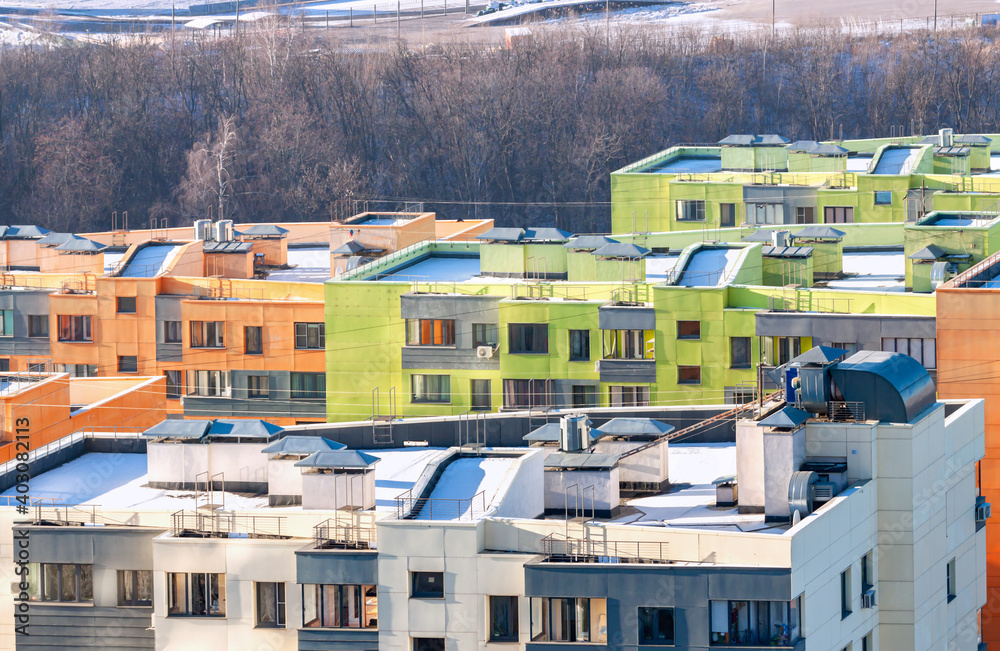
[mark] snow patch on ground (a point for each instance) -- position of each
(461, 480)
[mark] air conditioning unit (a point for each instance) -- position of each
(868, 599)
(484, 352)
(983, 512)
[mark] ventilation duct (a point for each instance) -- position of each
(893, 387)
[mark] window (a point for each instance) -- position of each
(689, 329)
(5, 365)
(196, 595)
(430, 332)
(922, 350)
(60, 582)
(883, 198)
(135, 588)
(175, 382)
(951, 583)
(656, 626)
(128, 364)
(73, 328)
(7, 323)
(126, 304)
(526, 393)
(739, 352)
(270, 605)
(503, 619)
(430, 388)
(778, 350)
(838, 215)
(208, 334)
(765, 213)
(257, 386)
(77, 370)
(584, 395)
(484, 334)
(805, 215)
(428, 644)
(688, 375)
(754, 623)
(528, 338)
(172, 332)
(339, 606)
(310, 335)
(579, 345)
(868, 642)
(210, 383)
(691, 211)
(555, 619)
(308, 386)
(850, 347)
(628, 344)
(867, 572)
(253, 340)
(845, 593)
(727, 215)
(627, 396)
(481, 394)
(427, 585)
(38, 325)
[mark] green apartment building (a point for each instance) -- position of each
(681, 308)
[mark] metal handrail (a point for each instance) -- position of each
(331, 533)
(410, 507)
(222, 525)
(579, 550)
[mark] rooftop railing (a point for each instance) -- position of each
(412, 507)
(332, 534)
(191, 524)
(575, 550)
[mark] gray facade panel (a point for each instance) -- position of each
(336, 567)
(87, 627)
(337, 640)
(465, 310)
(626, 318)
(168, 308)
(23, 305)
(60, 545)
(865, 330)
(278, 404)
(167, 352)
(447, 358)
(627, 371)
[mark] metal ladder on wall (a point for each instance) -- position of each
(382, 423)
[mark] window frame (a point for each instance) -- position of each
(474, 393)
(310, 335)
(248, 340)
(429, 394)
(223, 384)
(588, 393)
(124, 302)
(38, 585)
(517, 333)
(438, 333)
(124, 366)
(583, 345)
(280, 604)
(33, 321)
(681, 369)
(792, 611)
(419, 582)
(207, 334)
(189, 605)
(880, 198)
(654, 641)
(304, 392)
(689, 210)
(178, 385)
(262, 390)
(694, 335)
(136, 601)
(512, 633)
(485, 334)
(545, 610)
(952, 580)
(326, 615)
(733, 362)
(629, 395)
(173, 332)
(71, 323)
(7, 323)
(846, 600)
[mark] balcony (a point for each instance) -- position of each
(331, 534)
(191, 524)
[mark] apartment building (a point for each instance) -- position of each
(842, 518)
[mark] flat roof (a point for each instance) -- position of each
(877, 271)
(308, 265)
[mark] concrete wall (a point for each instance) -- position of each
(176, 465)
(332, 491)
(603, 499)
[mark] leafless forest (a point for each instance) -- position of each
(272, 125)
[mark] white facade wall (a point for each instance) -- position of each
(575, 486)
(183, 462)
(333, 491)
(283, 478)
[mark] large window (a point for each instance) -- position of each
(838, 214)
(431, 388)
(172, 332)
(691, 211)
(125, 304)
(76, 370)
(528, 338)
(805, 215)
(135, 588)
(628, 344)
(38, 325)
(427, 585)
(628, 396)
(570, 619)
(208, 334)
(765, 213)
(257, 386)
(270, 600)
(689, 329)
(339, 606)
(6, 323)
(579, 345)
(922, 350)
(430, 332)
(656, 626)
(484, 334)
(196, 595)
(308, 386)
(754, 623)
(778, 350)
(253, 340)
(526, 393)
(739, 352)
(128, 364)
(60, 582)
(503, 619)
(175, 383)
(74, 328)
(481, 394)
(310, 335)
(213, 384)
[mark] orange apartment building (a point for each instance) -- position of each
(230, 316)
(968, 350)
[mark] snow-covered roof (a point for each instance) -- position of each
(338, 460)
(302, 445)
